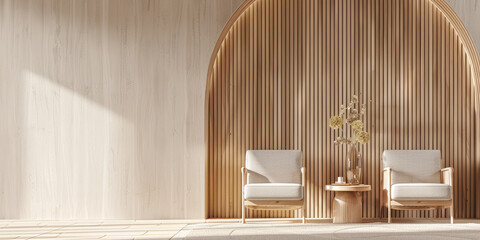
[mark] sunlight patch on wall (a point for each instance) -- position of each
(71, 150)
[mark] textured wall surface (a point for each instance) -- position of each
(102, 107)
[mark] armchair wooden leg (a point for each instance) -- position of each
(304, 212)
(382, 211)
(451, 214)
(389, 213)
(243, 210)
(243, 213)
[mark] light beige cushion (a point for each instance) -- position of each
(421, 191)
(413, 166)
(274, 166)
(273, 191)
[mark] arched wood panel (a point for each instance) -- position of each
(284, 67)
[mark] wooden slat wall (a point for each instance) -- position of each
(285, 67)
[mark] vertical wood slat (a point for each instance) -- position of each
(286, 66)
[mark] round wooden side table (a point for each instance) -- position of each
(347, 204)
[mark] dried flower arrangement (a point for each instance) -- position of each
(352, 114)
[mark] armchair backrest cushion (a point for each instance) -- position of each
(274, 166)
(413, 166)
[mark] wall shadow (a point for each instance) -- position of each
(101, 103)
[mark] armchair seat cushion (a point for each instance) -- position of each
(421, 191)
(273, 191)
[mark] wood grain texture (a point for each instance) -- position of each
(101, 106)
(299, 60)
(348, 188)
(347, 207)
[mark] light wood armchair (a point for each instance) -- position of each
(416, 195)
(273, 180)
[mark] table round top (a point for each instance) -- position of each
(348, 188)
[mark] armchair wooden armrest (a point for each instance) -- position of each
(447, 176)
(387, 186)
(244, 176)
(244, 181)
(303, 190)
(303, 176)
(387, 178)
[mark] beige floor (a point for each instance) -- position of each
(64, 230)
(231, 229)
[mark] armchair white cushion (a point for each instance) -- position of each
(274, 166)
(421, 191)
(413, 166)
(273, 191)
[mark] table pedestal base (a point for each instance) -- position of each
(347, 207)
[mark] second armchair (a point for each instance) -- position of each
(414, 180)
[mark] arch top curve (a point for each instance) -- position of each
(467, 41)
(442, 5)
(271, 87)
(240, 10)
